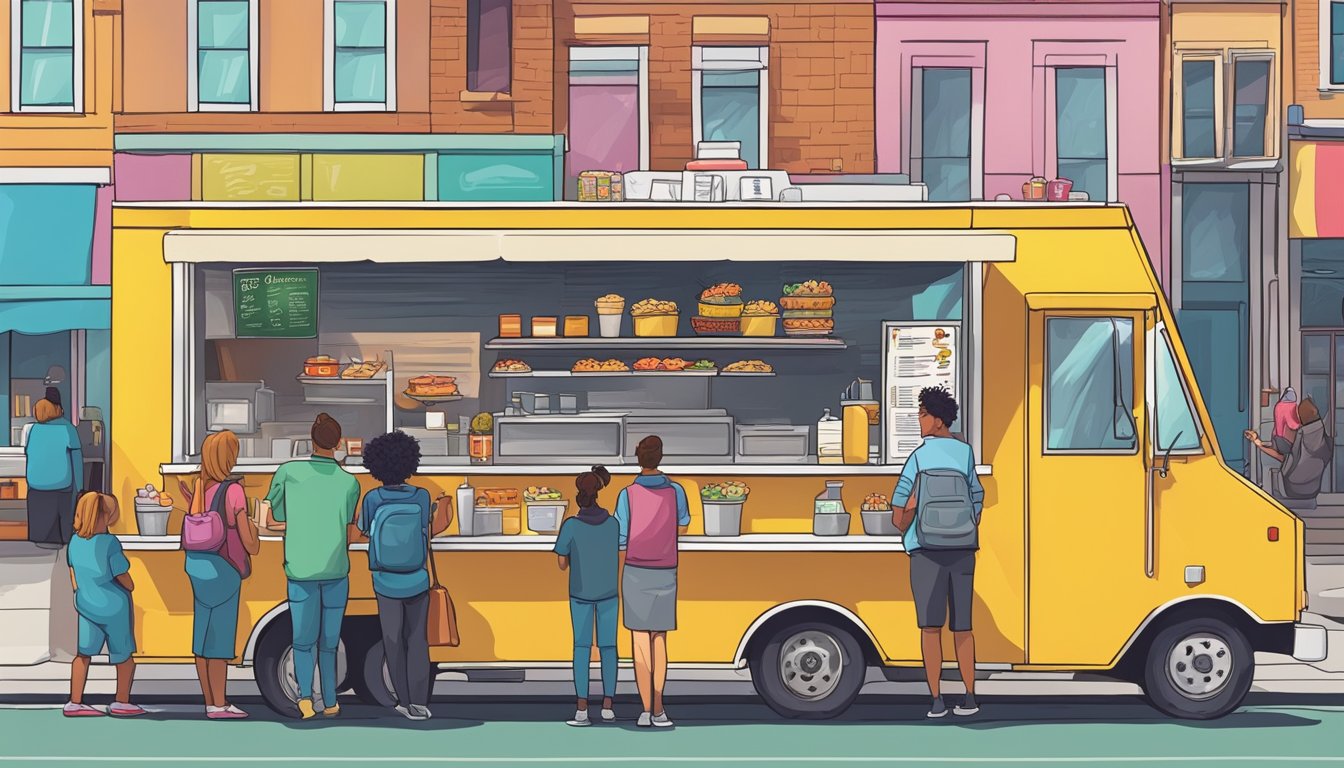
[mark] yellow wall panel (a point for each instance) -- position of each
(259, 178)
(368, 177)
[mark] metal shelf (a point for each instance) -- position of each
(672, 342)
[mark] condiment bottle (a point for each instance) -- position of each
(466, 508)
(855, 434)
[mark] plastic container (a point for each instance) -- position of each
(489, 521)
(830, 439)
(656, 325)
(152, 520)
(829, 517)
(723, 518)
(830, 525)
(760, 325)
(609, 326)
(854, 434)
(545, 516)
(878, 523)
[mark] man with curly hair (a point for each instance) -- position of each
(940, 578)
(397, 518)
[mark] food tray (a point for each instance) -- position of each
(433, 399)
(510, 374)
(699, 372)
(601, 373)
(747, 374)
(788, 332)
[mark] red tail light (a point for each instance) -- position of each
(1273, 533)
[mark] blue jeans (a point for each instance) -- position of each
(583, 614)
(316, 609)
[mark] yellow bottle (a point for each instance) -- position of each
(855, 439)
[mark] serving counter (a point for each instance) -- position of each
(793, 542)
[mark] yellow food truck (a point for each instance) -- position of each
(521, 344)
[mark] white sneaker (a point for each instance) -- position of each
(645, 720)
(580, 719)
(661, 720)
(422, 711)
(608, 716)
(410, 712)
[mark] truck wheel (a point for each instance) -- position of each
(1200, 669)
(811, 670)
(274, 670)
(373, 684)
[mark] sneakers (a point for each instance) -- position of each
(608, 716)
(661, 720)
(967, 707)
(939, 709)
(229, 712)
(306, 711)
(645, 720)
(580, 719)
(125, 709)
(332, 711)
(72, 709)
(414, 712)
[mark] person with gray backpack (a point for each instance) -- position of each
(937, 505)
(399, 521)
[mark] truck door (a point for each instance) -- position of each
(1087, 476)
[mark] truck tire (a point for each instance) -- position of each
(812, 670)
(1198, 669)
(373, 683)
(273, 669)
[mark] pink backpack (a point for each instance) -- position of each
(205, 532)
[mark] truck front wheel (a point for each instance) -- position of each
(812, 670)
(1198, 669)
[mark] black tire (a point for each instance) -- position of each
(793, 660)
(373, 684)
(1198, 669)
(275, 644)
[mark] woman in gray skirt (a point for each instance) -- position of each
(651, 512)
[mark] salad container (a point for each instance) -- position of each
(722, 503)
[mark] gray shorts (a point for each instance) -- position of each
(939, 579)
(649, 597)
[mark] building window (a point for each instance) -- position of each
(1199, 108)
(46, 65)
(942, 148)
(360, 55)
(1250, 106)
(1332, 45)
(489, 46)
(1080, 129)
(223, 35)
(608, 109)
(729, 101)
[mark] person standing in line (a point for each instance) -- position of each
(315, 499)
(589, 547)
(941, 575)
(55, 473)
(399, 522)
(651, 512)
(101, 576)
(217, 577)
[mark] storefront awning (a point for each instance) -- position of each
(1316, 193)
(291, 246)
(52, 309)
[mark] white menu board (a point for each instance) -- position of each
(914, 356)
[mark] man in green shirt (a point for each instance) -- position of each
(316, 500)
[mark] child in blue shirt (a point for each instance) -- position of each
(101, 577)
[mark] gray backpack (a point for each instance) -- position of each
(945, 514)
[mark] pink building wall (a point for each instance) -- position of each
(151, 178)
(1011, 49)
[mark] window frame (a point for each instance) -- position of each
(473, 31)
(761, 64)
(16, 63)
(1326, 42)
(620, 53)
(1178, 105)
(1235, 55)
(329, 102)
(915, 156)
(1111, 118)
(1137, 358)
(1159, 338)
(194, 104)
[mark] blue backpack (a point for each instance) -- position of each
(945, 517)
(398, 541)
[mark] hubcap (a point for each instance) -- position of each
(1200, 666)
(810, 664)
(290, 684)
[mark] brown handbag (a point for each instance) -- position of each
(442, 624)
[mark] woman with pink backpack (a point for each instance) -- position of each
(219, 539)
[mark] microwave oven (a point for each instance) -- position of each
(240, 407)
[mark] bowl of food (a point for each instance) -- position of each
(722, 503)
(721, 300)
(152, 510)
(760, 318)
(655, 318)
(876, 513)
(545, 508)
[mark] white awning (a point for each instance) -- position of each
(682, 245)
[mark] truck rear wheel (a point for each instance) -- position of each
(373, 681)
(1198, 669)
(812, 670)
(274, 669)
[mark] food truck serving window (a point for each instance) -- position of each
(575, 361)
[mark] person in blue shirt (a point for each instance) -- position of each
(942, 578)
(589, 547)
(55, 473)
(100, 574)
(402, 591)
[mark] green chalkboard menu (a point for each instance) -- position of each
(275, 304)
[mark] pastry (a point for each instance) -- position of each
(808, 324)
(431, 385)
(808, 288)
(716, 325)
(722, 300)
(647, 364)
(653, 307)
(806, 303)
(760, 309)
(749, 366)
(512, 366)
(363, 370)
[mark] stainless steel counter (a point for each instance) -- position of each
(470, 470)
